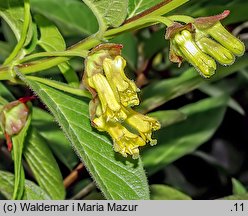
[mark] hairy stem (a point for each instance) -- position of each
(19, 45)
(69, 53)
(61, 86)
(43, 64)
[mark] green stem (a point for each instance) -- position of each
(21, 42)
(61, 86)
(164, 20)
(146, 19)
(168, 7)
(157, 10)
(67, 53)
(150, 18)
(144, 22)
(44, 64)
(181, 18)
(69, 74)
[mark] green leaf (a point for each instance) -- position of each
(238, 12)
(160, 92)
(62, 86)
(8, 34)
(130, 48)
(5, 49)
(168, 117)
(7, 184)
(154, 43)
(163, 192)
(31, 190)
(76, 19)
(117, 177)
(175, 141)
(5, 93)
(50, 131)
(18, 143)
(50, 37)
(109, 13)
(236, 197)
(44, 165)
(30, 47)
(12, 12)
(137, 6)
(52, 40)
(214, 90)
(238, 187)
(166, 7)
(34, 192)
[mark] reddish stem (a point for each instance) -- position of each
(26, 99)
(9, 142)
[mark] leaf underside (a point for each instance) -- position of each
(117, 177)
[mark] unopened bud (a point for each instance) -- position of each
(224, 37)
(188, 49)
(216, 50)
(13, 117)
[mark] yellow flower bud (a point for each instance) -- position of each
(202, 41)
(224, 37)
(185, 46)
(215, 50)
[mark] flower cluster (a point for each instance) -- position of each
(202, 42)
(114, 95)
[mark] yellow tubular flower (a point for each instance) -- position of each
(113, 96)
(186, 47)
(125, 142)
(124, 87)
(109, 101)
(143, 124)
